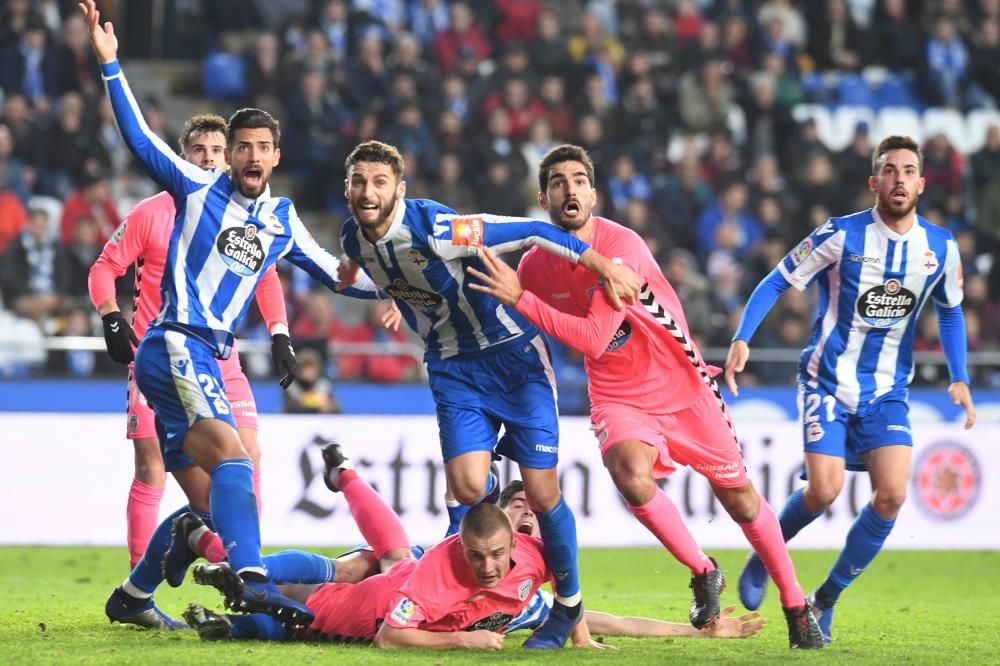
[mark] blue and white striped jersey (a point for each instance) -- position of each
(421, 262)
(872, 283)
(222, 242)
(533, 614)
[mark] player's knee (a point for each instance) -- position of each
(821, 494)
(741, 504)
(466, 491)
(633, 478)
(888, 502)
(151, 472)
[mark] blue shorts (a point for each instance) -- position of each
(182, 382)
(512, 385)
(828, 429)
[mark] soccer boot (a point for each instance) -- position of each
(707, 588)
(334, 460)
(823, 612)
(245, 596)
(556, 628)
(126, 609)
(179, 555)
(803, 630)
(753, 582)
(210, 625)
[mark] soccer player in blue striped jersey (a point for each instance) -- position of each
(488, 366)
(228, 230)
(875, 270)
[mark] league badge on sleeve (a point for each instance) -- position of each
(403, 611)
(802, 251)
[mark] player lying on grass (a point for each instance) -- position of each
(464, 591)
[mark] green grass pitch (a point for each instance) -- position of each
(908, 608)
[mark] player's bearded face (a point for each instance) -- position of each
(897, 184)
(253, 157)
(488, 557)
(372, 191)
(521, 516)
(570, 196)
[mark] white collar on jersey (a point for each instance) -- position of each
(397, 222)
(246, 202)
(888, 232)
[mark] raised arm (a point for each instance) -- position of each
(157, 158)
(307, 254)
(457, 236)
(589, 335)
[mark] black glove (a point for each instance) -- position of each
(284, 359)
(119, 338)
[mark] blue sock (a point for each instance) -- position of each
(206, 517)
(558, 528)
(148, 573)
(298, 566)
(864, 541)
(234, 513)
(457, 511)
(259, 626)
(795, 515)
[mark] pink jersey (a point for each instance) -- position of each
(442, 594)
(436, 593)
(143, 239)
(630, 357)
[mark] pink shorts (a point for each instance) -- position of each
(699, 436)
(141, 421)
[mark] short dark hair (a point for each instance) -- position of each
(564, 153)
(376, 151)
(201, 124)
(250, 118)
(896, 142)
(507, 494)
(484, 521)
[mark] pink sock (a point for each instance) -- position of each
(662, 518)
(764, 534)
(256, 488)
(210, 547)
(378, 523)
(141, 518)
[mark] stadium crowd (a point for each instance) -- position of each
(686, 106)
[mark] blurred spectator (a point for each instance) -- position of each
(768, 123)
(311, 392)
(497, 144)
(729, 210)
(76, 321)
(522, 107)
(985, 56)
(80, 60)
(945, 65)
(368, 76)
(13, 216)
(705, 98)
(836, 41)
(387, 368)
(462, 37)
(90, 201)
(33, 67)
(819, 185)
(897, 35)
(15, 177)
(79, 256)
(538, 142)
(30, 273)
(549, 49)
(451, 189)
(642, 123)
(626, 183)
(943, 167)
(514, 20)
(985, 166)
(427, 18)
(501, 191)
(680, 196)
(854, 163)
(681, 269)
(557, 110)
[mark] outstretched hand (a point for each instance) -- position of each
(392, 317)
(743, 626)
(739, 353)
(501, 283)
(961, 395)
(103, 38)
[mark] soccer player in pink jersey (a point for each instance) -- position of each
(142, 241)
(654, 402)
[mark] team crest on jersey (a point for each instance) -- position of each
(620, 337)
(802, 251)
(418, 298)
(467, 231)
(948, 481)
(495, 621)
(929, 263)
(814, 432)
(886, 304)
(241, 250)
(524, 590)
(416, 257)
